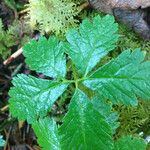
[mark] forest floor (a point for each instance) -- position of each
(19, 135)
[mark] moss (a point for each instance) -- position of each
(52, 16)
(6, 41)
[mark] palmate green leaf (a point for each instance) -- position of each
(46, 56)
(121, 79)
(31, 98)
(47, 134)
(84, 127)
(92, 42)
(105, 109)
(130, 143)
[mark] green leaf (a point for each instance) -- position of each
(93, 41)
(84, 127)
(105, 109)
(46, 56)
(2, 142)
(121, 79)
(130, 143)
(47, 134)
(32, 97)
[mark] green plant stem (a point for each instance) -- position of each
(75, 75)
(74, 81)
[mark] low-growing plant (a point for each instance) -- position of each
(6, 41)
(134, 120)
(55, 16)
(90, 122)
(17, 34)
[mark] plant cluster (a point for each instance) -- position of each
(6, 41)
(52, 15)
(130, 39)
(17, 34)
(134, 120)
(89, 121)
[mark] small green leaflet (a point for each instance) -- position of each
(2, 142)
(121, 79)
(32, 97)
(92, 42)
(47, 133)
(105, 109)
(130, 143)
(46, 56)
(84, 127)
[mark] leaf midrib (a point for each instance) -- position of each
(116, 77)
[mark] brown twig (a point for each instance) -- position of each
(13, 56)
(35, 147)
(84, 5)
(4, 108)
(7, 137)
(29, 147)
(23, 11)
